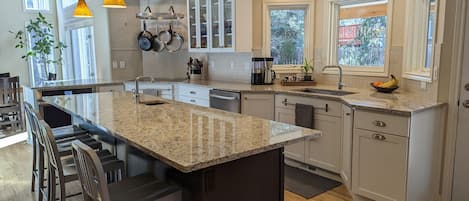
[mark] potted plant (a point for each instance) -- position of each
(307, 67)
(43, 46)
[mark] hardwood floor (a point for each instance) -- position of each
(15, 179)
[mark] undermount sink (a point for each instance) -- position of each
(153, 102)
(326, 91)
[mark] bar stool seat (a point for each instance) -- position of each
(67, 132)
(142, 188)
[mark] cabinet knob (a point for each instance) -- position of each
(192, 101)
(348, 114)
(379, 137)
(245, 98)
(379, 123)
(192, 92)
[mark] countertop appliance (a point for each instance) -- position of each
(225, 100)
(261, 71)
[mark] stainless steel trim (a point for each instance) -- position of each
(223, 97)
(325, 108)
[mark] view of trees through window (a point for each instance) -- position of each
(287, 36)
(362, 40)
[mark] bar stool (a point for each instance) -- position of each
(55, 169)
(140, 188)
(62, 134)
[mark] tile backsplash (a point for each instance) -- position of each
(230, 67)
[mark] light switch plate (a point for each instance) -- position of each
(114, 64)
(122, 64)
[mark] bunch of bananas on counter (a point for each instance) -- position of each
(392, 83)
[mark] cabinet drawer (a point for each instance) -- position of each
(194, 91)
(194, 101)
(392, 124)
(333, 108)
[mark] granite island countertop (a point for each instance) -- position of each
(400, 102)
(184, 136)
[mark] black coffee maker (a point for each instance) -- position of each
(261, 71)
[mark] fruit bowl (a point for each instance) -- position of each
(385, 89)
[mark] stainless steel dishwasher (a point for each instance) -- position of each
(225, 100)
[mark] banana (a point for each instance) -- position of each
(391, 83)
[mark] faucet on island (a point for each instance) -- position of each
(137, 87)
(340, 84)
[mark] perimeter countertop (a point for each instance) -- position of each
(67, 84)
(184, 136)
(400, 102)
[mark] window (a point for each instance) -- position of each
(80, 55)
(36, 5)
(68, 3)
(360, 33)
(419, 43)
(39, 73)
(286, 33)
(287, 36)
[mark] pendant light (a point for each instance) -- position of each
(82, 10)
(114, 4)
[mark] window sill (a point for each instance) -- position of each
(370, 73)
(418, 76)
(287, 70)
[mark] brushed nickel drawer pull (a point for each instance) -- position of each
(192, 92)
(379, 137)
(325, 108)
(379, 124)
(192, 100)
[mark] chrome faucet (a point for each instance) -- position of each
(137, 87)
(340, 84)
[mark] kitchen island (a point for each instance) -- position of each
(212, 154)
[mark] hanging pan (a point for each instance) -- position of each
(176, 42)
(145, 37)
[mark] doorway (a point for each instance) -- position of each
(461, 165)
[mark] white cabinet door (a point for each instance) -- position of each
(295, 151)
(346, 170)
(258, 105)
(379, 165)
(325, 151)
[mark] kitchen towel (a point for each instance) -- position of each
(304, 115)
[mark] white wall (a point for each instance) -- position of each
(14, 19)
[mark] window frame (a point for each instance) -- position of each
(29, 10)
(420, 72)
(309, 31)
(332, 48)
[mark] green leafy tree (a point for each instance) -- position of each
(287, 36)
(44, 44)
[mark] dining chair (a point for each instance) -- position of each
(10, 102)
(140, 188)
(56, 176)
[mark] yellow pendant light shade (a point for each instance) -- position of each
(82, 10)
(114, 4)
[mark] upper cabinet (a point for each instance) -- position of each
(212, 26)
(421, 49)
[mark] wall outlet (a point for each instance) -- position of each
(121, 64)
(114, 64)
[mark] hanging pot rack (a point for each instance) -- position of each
(168, 16)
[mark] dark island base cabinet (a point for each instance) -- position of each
(255, 178)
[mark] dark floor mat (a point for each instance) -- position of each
(307, 184)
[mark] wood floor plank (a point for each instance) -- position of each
(15, 179)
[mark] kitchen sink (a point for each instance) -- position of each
(327, 92)
(152, 102)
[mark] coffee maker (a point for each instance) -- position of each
(261, 71)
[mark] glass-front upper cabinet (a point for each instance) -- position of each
(198, 21)
(212, 27)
